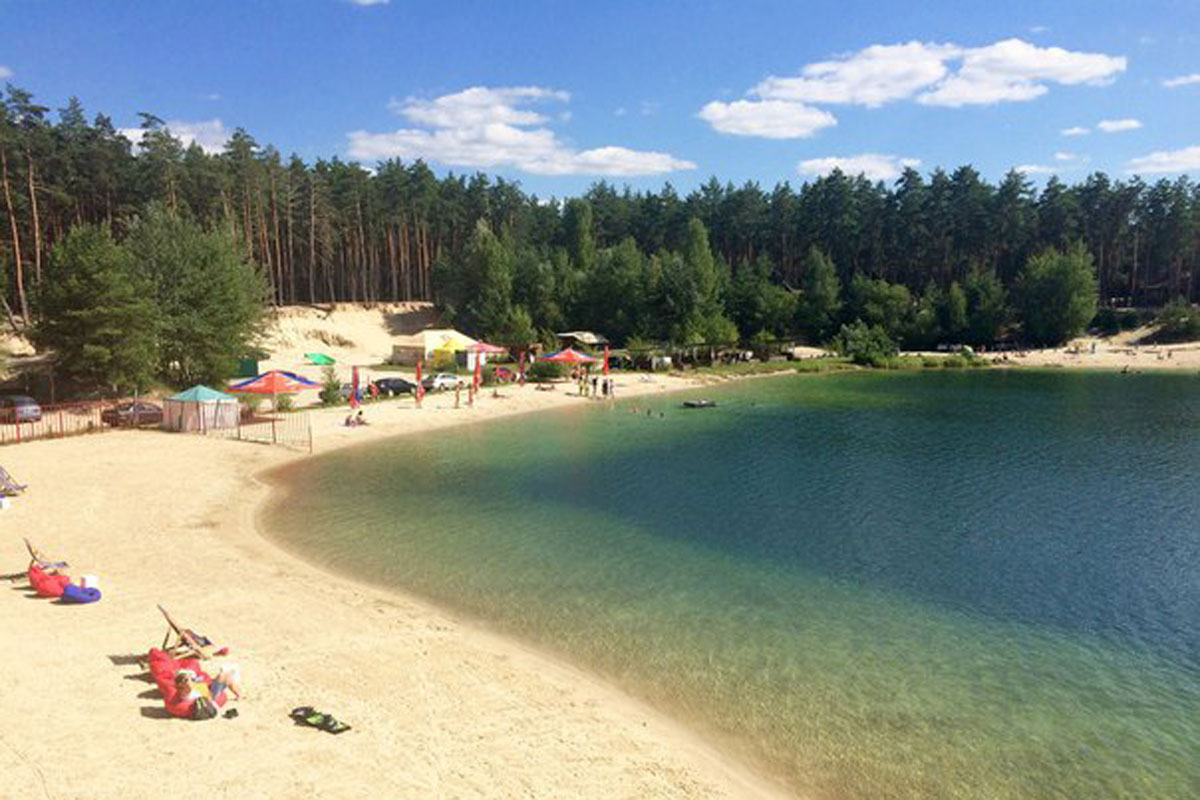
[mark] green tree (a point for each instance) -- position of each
(986, 307)
(869, 345)
(952, 313)
(877, 302)
(210, 300)
(1056, 295)
(821, 300)
(97, 314)
(758, 304)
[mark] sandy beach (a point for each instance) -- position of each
(440, 707)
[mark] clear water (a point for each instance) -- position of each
(875, 586)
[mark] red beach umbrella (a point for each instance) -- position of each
(276, 381)
(569, 356)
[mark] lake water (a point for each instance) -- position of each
(981, 585)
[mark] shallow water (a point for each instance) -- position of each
(879, 586)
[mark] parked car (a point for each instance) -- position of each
(441, 381)
(395, 386)
(133, 414)
(19, 408)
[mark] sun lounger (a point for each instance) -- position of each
(188, 642)
(40, 559)
(9, 485)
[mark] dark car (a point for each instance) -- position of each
(19, 408)
(395, 386)
(133, 414)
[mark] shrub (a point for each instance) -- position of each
(284, 402)
(868, 345)
(1178, 321)
(331, 387)
(541, 371)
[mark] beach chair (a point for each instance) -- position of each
(188, 643)
(9, 485)
(40, 559)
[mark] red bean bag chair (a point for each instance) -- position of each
(47, 585)
(163, 668)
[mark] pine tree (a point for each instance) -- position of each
(97, 315)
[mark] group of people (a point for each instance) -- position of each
(187, 690)
(356, 420)
(595, 386)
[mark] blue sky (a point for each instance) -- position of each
(558, 95)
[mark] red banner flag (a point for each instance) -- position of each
(478, 379)
(420, 392)
(522, 369)
(354, 398)
(605, 359)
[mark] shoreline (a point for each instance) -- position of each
(452, 707)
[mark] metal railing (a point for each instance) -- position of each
(290, 429)
(25, 424)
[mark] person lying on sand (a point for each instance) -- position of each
(189, 689)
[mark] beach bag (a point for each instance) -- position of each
(204, 708)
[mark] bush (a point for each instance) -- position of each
(284, 402)
(541, 371)
(1179, 321)
(868, 345)
(1111, 321)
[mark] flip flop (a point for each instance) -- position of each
(306, 715)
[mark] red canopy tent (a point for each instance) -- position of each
(569, 356)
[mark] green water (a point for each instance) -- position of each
(874, 586)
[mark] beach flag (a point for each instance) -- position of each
(478, 379)
(420, 387)
(522, 368)
(605, 359)
(354, 398)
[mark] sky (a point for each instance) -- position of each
(559, 95)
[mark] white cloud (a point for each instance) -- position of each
(1076, 131)
(212, 96)
(1182, 80)
(211, 134)
(1118, 125)
(770, 119)
(5, 72)
(1185, 160)
(1060, 156)
(1035, 169)
(873, 166)
(930, 73)
(871, 77)
(365, 3)
(485, 127)
(620, 112)
(1014, 70)
(1036, 29)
